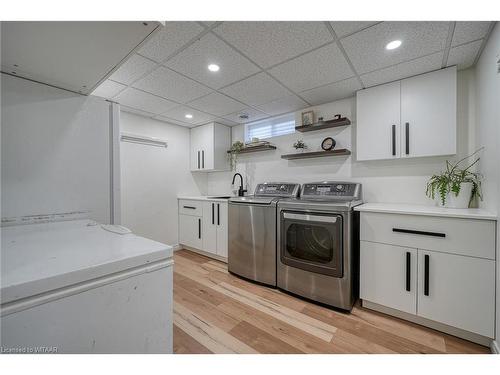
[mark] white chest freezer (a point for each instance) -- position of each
(74, 287)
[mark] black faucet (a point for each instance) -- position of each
(241, 191)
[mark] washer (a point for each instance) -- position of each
(252, 231)
(318, 243)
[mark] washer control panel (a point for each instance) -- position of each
(277, 189)
(329, 190)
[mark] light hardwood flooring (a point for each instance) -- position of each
(216, 312)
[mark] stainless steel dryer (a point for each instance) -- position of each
(318, 239)
(252, 232)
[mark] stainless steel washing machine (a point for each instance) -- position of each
(318, 243)
(252, 231)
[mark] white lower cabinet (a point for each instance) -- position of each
(389, 276)
(209, 232)
(453, 289)
(460, 291)
(190, 230)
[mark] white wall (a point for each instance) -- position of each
(55, 151)
(488, 134)
(400, 181)
(153, 177)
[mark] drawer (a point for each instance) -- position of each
(449, 235)
(193, 208)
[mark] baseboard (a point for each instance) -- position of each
(207, 254)
(177, 247)
(495, 349)
(466, 335)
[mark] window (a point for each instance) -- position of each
(271, 127)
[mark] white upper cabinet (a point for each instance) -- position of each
(209, 145)
(410, 118)
(429, 114)
(378, 117)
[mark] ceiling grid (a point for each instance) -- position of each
(276, 67)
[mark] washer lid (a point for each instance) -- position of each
(39, 258)
(252, 199)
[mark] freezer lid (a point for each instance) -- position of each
(39, 258)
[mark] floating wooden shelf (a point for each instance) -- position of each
(316, 154)
(323, 125)
(247, 150)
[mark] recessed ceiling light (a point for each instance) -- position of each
(393, 45)
(188, 115)
(213, 67)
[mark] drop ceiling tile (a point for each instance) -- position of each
(258, 89)
(467, 31)
(169, 120)
(284, 105)
(253, 115)
(179, 113)
(136, 111)
(171, 85)
(169, 39)
(108, 89)
(344, 28)
(270, 43)
(217, 104)
(313, 69)
(332, 91)
(366, 49)
(133, 68)
(145, 102)
(208, 23)
(404, 70)
(226, 122)
(194, 60)
(463, 56)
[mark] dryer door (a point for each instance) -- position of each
(312, 242)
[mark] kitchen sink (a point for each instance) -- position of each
(220, 197)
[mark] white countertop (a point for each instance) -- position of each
(412, 209)
(204, 198)
(38, 258)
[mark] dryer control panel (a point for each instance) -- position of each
(331, 190)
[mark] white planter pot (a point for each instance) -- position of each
(460, 201)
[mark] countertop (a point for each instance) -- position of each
(410, 209)
(38, 258)
(204, 198)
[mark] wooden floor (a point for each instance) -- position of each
(216, 312)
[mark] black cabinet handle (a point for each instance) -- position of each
(419, 232)
(213, 210)
(407, 138)
(190, 207)
(218, 214)
(199, 228)
(426, 275)
(198, 159)
(393, 140)
(203, 159)
(408, 271)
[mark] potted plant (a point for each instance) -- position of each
(232, 156)
(300, 145)
(456, 187)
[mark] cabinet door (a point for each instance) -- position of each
(222, 235)
(196, 135)
(377, 125)
(429, 114)
(457, 290)
(388, 276)
(222, 143)
(190, 231)
(210, 227)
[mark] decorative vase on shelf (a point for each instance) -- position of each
(458, 201)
